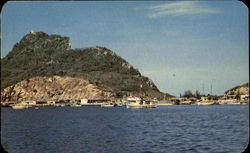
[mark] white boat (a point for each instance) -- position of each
(108, 105)
(139, 103)
(19, 106)
(206, 103)
(165, 104)
(76, 105)
(62, 105)
(234, 103)
(141, 106)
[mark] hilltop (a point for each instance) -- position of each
(241, 90)
(40, 57)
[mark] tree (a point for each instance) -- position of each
(188, 94)
(197, 94)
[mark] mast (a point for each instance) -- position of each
(141, 93)
(211, 89)
(203, 89)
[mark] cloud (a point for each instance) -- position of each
(178, 9)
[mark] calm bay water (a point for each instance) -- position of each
(215, 128)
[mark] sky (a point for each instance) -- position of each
(180, 45)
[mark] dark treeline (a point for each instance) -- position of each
(196, 94)
(189, 94)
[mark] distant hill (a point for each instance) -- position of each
(241, 89)
(40, 57)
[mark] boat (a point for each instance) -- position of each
(135, 102)
(186, 102)
(206, 103)
(108, 105)
(62, 105)
(165, 104)
(19, 106)
(216, 103)
(119, 104)
(76, 105)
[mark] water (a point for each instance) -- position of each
(217, 128)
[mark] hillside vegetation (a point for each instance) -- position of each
(43, 55)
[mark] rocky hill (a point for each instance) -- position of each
(95, 72)
(53, 88)
(241, 90)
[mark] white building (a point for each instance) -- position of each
(84, 101)
(28, 102)
(50, 102)
(244, 97)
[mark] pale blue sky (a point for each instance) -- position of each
(180, 45)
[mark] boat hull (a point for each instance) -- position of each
(107, 105)
(76, 106)
(141, 106)
(19, 107)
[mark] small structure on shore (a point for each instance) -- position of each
(29, 103)
(93, 102)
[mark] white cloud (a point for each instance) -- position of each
(179, 8)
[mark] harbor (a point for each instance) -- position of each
(129, 102)
(125, 77)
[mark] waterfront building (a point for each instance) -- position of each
(244, 97)
(84, 101)
(29, 103)
(8, 103)
(204, 98)
(93, 101)
(51, 102)
(41, 102)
